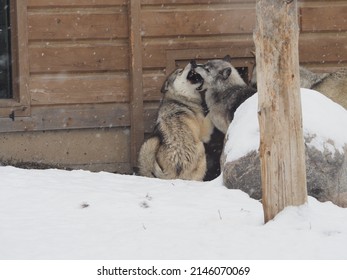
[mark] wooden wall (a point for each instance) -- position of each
(92, 66)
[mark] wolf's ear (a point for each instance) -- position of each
(227, 58)
(165, 86)
(225, 73)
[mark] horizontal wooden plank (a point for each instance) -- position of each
(331, 18)
(69, 3)
(152, 83)
(77, 25)
(90, 149)
(113, 167)
(90, 88)
(323, 49)
(79, 89)
(78, 58)
(7, 106)
(69, 117)
(163, 2)
(156, 53)
(328, 48)
(197, 22)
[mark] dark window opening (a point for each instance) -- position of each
(5, 50)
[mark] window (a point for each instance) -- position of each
(5, 50)
(14, 60)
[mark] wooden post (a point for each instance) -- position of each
(282, 151)
(136, 92)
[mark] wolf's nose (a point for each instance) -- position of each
(193, 63)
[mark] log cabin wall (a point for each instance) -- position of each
(91, 71)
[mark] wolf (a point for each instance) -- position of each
(332, 85)
(224, 89)
(307, 78)
(176, 150)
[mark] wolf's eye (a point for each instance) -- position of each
(207, 69)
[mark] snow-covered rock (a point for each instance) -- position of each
(325, 134)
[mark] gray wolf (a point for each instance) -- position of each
(332, 85)
(225, 90)
(307, 78)
(176, 149)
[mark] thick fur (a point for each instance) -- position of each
(225, 90)
(176, 149)
(307, 77)
(332, 85)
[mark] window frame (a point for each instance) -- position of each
(6, 48)
(19, 103)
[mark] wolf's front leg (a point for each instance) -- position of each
(206, 129)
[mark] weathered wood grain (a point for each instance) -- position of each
(331, 48)
(187, 2)
(196, 22)
(324, 18)
(74, 3)
(78, 58)
(281, 149)
(77, 25)
(69, 117)
(136, 85)
(88, 149)
(79, 89)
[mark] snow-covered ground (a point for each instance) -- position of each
(55, 214)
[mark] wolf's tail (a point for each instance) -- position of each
(148, 165)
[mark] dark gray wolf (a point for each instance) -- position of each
(225, 90)
(176, 149)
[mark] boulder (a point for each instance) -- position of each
(325, 134)
(326, 175)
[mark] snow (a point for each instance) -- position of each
(56, 214)
(324, 121)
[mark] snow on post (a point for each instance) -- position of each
(282, 151)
